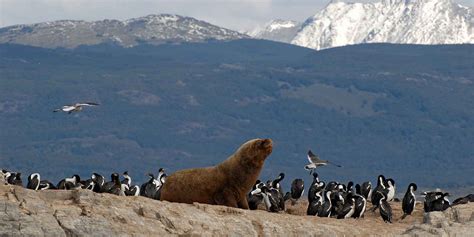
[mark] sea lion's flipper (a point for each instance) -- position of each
(226, 198)
(243, 203)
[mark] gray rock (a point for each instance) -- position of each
(455, 221)
(435, 218)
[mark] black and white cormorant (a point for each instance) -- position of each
(34, 181)
(45, 184)
(108, 186)
(297, 190)
(314, 187)
(255, 197)
(133, 190)
(385, 208)
(379, 188)
(391, 189)
(69, 183)
(360, 204)
(325, 211)
(14, 178)
(149, 188)
(348, 209)
(366, 190)
(99, 181)
(126, 179)
(409, 200)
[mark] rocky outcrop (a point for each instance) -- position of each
(83, 213)
(455, 221)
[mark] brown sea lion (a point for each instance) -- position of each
(224, 184)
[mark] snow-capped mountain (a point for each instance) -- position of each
(151, 29)
(277, 30)
(390, 21)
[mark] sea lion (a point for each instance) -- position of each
(224, 184)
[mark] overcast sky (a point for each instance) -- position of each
(233, 14)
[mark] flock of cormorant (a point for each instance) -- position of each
(334, 199)
(331, 199)
(96, 183)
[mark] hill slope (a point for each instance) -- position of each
(151, 29)
(402, 110)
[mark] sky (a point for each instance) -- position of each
(233, 14)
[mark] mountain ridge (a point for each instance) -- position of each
(343, 23)
(151, 29)
(389, 21)
(340, 23)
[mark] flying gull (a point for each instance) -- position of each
(75, 107)
(315, 161)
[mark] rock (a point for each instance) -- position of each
(461, 214)
(435, 218)
(455, 221)
(26, 212)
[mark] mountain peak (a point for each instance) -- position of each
(151, 29)
(157, 18)
(389, 2)
(277, 30)
(389, 21)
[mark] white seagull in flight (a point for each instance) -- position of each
(75, 107)
(315, 161)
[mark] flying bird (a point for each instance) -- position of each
(75, 107)
(315, 161)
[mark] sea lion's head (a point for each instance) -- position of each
(255, 151)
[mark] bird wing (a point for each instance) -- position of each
(412, 200)
(33, 184)
(266, 201)
(329, 162)
(273, 196)
(68, 108)
(65, 108)
(43, 186)
(388, 207)
(313, 158)
(346, 209)
(383, 208)
(87, 104)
